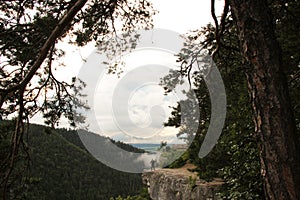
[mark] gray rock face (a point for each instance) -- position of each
(168, 184)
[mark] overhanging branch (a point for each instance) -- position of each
(56, 33)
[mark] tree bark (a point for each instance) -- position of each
(273, 115)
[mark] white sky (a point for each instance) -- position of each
(175, 15)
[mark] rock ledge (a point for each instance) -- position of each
(180, 184)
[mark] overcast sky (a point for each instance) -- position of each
(132, 108)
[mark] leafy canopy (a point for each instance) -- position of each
(29, 33)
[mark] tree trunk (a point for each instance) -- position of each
(273, 115)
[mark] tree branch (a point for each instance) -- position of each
(56, 33)
(219, 32)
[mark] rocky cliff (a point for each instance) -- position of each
(179, 184)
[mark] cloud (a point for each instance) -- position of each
(134, 106)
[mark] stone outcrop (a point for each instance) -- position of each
(179, 184)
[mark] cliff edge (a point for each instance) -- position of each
(180, 184)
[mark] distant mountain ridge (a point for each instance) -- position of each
(146, 146)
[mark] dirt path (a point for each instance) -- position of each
(185, 172)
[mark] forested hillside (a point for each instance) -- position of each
(60, 168)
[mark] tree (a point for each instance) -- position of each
(162, 145)
(235, 157)
(260, 26)
(273, 115)
(30, 31)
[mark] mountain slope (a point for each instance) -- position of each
(62, 169)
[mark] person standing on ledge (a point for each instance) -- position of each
(152, 164)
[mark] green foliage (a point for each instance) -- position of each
(179, 162)
(236, 156)
(61, 168)
(16, 187)
(29, 33)
(287, 29)
(192, 182)
(24, 29)
(168, 157)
